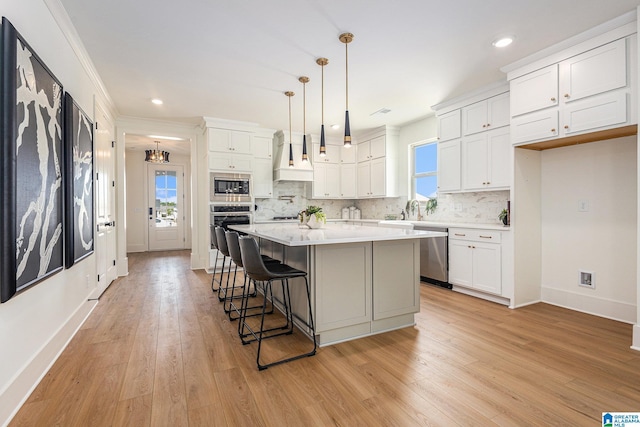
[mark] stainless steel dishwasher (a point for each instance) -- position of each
(434, 257)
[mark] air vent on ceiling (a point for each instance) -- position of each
(383, 110)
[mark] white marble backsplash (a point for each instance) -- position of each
(481, 207)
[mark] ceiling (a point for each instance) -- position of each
(235, 59)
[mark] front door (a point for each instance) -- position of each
(166, 207)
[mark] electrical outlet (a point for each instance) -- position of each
(583, 205)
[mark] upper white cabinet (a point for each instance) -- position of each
(474, 144)
(485, 115)
(449, 166)
(222, 140)
(230, 162)
(376, 170)
(262, 166)
(332, 154)
(449, 126)
(326, 181)
(348, 155)
(486, 160)
(586, 92)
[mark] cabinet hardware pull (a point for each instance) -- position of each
(459, 234)
(484, 126)
(566, 126)
(488, 124)
(485, 237)
(553, 99)
(553, 130)
(566, 95)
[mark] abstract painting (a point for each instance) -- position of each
(78, 166)
(31, 217)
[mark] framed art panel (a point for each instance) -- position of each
(78, 199)
(31, 193)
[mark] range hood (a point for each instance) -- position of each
(301, 171)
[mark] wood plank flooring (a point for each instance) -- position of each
(159, 351)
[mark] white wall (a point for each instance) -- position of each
(601, 240)
(137, 182)
(36, 324)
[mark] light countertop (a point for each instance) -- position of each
(445, 224)
(292, 235)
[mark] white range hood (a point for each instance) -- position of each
(301, 171)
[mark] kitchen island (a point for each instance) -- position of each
(364, 280)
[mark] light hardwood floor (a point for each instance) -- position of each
(158, 351)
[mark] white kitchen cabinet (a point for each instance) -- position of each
(486, 115)
(348, 181)
(449, 166)
(224, 141)
(262, 146)
(376, 167)
(534, 91)
(332, 154)
(230, 162)
(449, 126)
(586, 92)
(486, 160)
(326, 181)
(262, 178)
(475, 259)
(348, 155)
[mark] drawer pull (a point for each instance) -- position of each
(485, 237)
(460, 234)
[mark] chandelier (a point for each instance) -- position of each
(156, 156)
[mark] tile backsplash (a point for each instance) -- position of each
(291, 197)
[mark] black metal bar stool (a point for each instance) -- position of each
(257, 271)
(214, 245)
(233, 245)
(223, 291)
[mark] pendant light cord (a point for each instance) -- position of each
(346, 61)
(290, 140)
(322, 96)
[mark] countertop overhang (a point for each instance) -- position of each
(292, 235)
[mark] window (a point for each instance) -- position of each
(424, 177)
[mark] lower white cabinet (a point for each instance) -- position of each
(475, 259)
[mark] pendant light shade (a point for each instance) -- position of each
(304, 80)
(323, 146)
(289, 95)
(156, 156)
(346, 38)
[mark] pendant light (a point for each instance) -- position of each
(290, 94)
(156, 156)
(304, 80)
(323, 147)
(346, 38)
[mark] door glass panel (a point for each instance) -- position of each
(166, 199)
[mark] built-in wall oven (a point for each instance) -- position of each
(226, 215)
(230, 188)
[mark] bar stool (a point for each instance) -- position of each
(257, 271)
(223, 292)
(214, 245)
(233, 245)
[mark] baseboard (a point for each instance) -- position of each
(614, 310)
(489, 297)
(635, 345)
(25, 381)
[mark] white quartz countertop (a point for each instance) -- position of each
(292, 235)
(445, 224)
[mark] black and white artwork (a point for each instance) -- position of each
(31, 191)
(78, 156)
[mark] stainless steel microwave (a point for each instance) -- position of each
(230, 187)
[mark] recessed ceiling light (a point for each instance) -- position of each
(157, 101)
(502, 42)
(336, 126)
